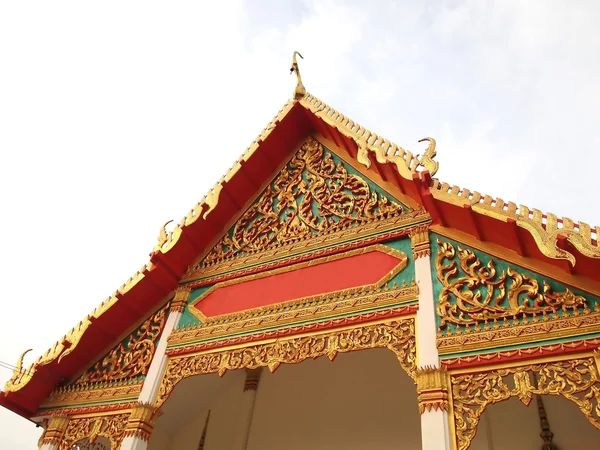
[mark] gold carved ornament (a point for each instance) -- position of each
(90, 428)
(419, 239)
(55, 430)
(432, 389)
(577, 380)
(396, 335)
(131, 358)
(311, 195)
(474, 293)
(141, 421)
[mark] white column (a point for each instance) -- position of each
(141, 422)
(246, 409)
(432, 381)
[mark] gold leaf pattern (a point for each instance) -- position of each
(131, 357)
(311, 195)
(473, 292)
(576, 380)
(397, 336)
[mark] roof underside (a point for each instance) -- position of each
(526, 234)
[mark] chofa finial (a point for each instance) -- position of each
(300, 90)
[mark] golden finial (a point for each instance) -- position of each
(19, 367)
(300, 90)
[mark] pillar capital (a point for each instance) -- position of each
(419, 238)
(57, 425)
(432, 388)
(182, 295)
(252, 378)
(141, 421)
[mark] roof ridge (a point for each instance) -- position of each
(385, 151)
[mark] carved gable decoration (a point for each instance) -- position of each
(132, 357)
(315, 193)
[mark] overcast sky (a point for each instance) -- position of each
(117, 116)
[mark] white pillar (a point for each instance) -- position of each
(432, 380)
(141, 422)
(246, 409)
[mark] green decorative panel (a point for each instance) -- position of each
(476, 292)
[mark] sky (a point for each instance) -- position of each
(118, 116)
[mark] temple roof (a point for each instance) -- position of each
(555, 247)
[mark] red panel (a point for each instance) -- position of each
(331, 276)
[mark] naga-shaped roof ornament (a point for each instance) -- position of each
(300, 90)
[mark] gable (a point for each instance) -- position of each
(315, 193)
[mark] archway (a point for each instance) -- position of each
(362, 399)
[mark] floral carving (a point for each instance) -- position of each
(576, 380)
(474, 293)
(88, 429)
(311, 195)
(397, 336)
(131, 357)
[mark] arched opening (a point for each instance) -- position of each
(510, 425)
(363, 399)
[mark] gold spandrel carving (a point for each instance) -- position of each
(90, 428)
(476, 293)
(577, 380)
(131, 357)
(396, 335)
(311, 195)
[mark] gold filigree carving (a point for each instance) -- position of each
(314, 308)
(544, 228)
(377, 230)
(90, 428)
(535, 327)
(577, 380)
(311, 195)
(396, 335)
(131, 357)
(419, 238)
(180, 300)
(367, 141)
(432, 388)
(473, 293)
(93, 393)
(55, 429)
(141, 421)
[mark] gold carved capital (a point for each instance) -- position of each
(55, 430)
(419, 238)
(432, 388)
(182, 295)
(141, 421)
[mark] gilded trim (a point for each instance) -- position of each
(141, 421)
(111, 427)
(367, 141)
(93, 393)
(350, 301)
(419, 239)
(379, 230)
(545, 229)
(432, 389)
(401, 256)
(397, 335)
(575, 379)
